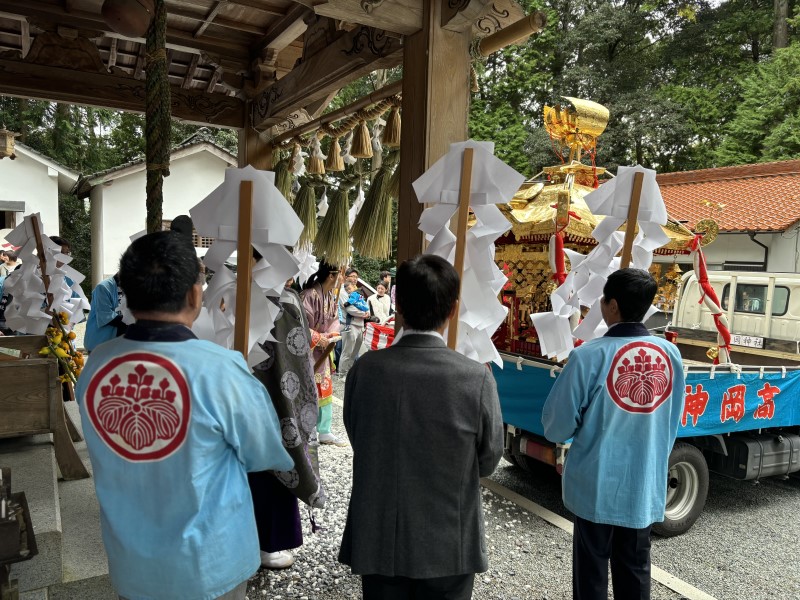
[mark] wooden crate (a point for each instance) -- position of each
(31, 402)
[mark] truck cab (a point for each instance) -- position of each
(763, 312)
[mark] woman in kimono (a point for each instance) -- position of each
(320, 302)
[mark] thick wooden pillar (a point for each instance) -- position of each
(253, 150)
(436, 84)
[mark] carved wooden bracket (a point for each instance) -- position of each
(76, 53)
(500, 14)
(352, 55)
(459, 15)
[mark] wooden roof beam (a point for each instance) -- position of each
(209, 18)
(220, 21)
(121, 92)
(178, 40)
(25, 37)
(399, 16)
(259, 5)
(190, 71)
(112, 54)
(286, 30)
(138, 72)
(352, 55)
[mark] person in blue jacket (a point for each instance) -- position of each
(105, 317)
(173, 425)
(619, 398)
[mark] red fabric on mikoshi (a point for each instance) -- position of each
(377, 336)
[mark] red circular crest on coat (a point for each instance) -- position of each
(640, 378)
(139, 405)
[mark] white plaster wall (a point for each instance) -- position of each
(782, 256)
(783, 252)
(27, 180)
(191, 179)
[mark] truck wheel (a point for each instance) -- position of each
(534, 467)
(687, 489)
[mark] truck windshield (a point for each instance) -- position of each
(751, 298)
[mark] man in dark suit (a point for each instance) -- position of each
(420, 446)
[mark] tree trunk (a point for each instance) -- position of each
(22, 110)
(780, 28)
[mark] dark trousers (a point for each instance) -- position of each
(379, 587)
(277, 513)
(593, 545)
(337, 352)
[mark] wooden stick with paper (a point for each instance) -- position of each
(469, 176)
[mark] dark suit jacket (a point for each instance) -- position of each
(425, 425)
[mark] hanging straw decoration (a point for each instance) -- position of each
(394, 184)
(298, 166)
(362, 144)
(391, 134)
(335, 161)
(305, 206)
(283, 179)
(348, 158)
(316, 163)
(333, 239)
(372, 229)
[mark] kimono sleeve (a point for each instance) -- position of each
(563, 410)
(250, 423)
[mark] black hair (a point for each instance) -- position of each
(323, 272)
(57, 239)
(350, 271)
(183, 225)
(12, 255)
(384, 275)
(381, 283)
(157, 271)
(427, 289)
(634, 291)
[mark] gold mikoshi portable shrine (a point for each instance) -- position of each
(553, 202)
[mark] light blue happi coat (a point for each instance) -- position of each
(104, 309)
(172, 429)
(620, 399)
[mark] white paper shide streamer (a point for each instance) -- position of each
(588, 274)
(307, 261)
(274, 226)
(493, 182)
(26, 313)
(322, 205)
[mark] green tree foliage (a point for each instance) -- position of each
(766, 125)
(669, 71)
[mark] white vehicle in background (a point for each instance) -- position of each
(763, 311)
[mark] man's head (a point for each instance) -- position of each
(427, 290)
(66, 247)
(11, 256)
(386, 277)
(160, 273)
(351, 275)
(627, 295)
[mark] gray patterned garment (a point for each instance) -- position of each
(288, 376)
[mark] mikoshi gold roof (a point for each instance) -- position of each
(532, 213)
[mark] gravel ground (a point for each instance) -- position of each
(528, 557)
